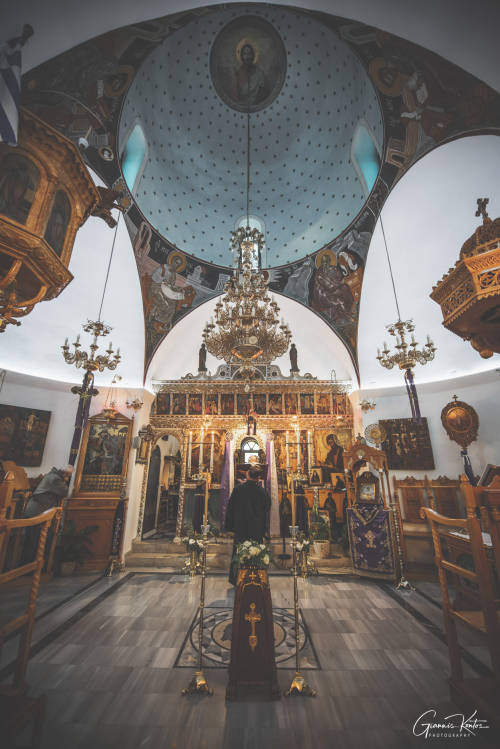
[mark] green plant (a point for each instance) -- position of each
(74, 546)
(319, 530)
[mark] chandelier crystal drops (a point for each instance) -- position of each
(92, 362)
(407, 355)
(247, 328)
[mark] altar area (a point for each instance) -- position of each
(295, 428)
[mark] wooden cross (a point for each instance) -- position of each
(481, 207)
(253, 618)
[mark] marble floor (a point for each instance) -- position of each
(109, 667)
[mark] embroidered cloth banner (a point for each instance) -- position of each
(371, 541)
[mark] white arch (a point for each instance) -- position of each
(427, 217)
(319, 349)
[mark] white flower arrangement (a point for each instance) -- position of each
(253, 554)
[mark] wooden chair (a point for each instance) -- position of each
(15, 704)
(443, 494)
(416, 541)
(413, 496)
(479, 693)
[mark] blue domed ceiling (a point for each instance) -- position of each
(160, 107)
(305, 189)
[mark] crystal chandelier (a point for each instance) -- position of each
(247, 328)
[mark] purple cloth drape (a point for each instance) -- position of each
(268, 482)
(224, 485)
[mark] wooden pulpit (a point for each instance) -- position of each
(252, 643)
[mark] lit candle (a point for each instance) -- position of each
(287, 454)
(212, 454)
(78, 338)
(294, 506)
(298, 451)
(308, 451)
(190, 448)
(65, 343)
(205, 514)
(200, 462)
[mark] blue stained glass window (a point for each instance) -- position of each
(133, 156)
(365, 155)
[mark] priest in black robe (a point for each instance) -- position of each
(246, 514)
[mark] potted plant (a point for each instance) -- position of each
(74, 546)
(320, 535)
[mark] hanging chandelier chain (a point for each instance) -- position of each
(248, 170)
(390, 268)
(109, 267)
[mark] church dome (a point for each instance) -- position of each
(486, 236)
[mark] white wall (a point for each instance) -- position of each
(56, 397)
(427, 217)
(480, 391)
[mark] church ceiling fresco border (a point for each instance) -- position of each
(425, 101)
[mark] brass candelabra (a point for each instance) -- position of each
(92, 361)
(299, 685)
(198, 683)
(407, 355)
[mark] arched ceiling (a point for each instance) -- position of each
(425, 102)
(304, 186)
(465, 33)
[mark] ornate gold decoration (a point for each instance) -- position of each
(367, 405)
(92, 362)
(407, 355)
(253, 619)
(92, 485)
(375, 433)
(460, 421)
(247, 329)
(469, 294)
(31, 270)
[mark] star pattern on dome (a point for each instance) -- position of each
(304, 187)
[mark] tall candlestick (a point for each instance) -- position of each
(298, 451)
(287, 455)
(205, 514)
(294, 507)
(200, 461)
(309, 451)
(190, 449)
(212, 454)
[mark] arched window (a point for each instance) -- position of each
(365, 156)
(134, 157)
(250, 450)
(57, 224)
(19, 180)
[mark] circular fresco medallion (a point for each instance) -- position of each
(248, 64)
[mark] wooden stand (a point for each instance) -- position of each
(252, 645)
